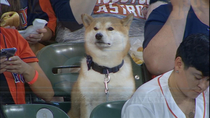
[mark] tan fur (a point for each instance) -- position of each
(88, 91)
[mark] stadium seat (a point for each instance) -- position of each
(59, 60)
(33, 111)
(137, 73)
(108, 110)
(61, 63)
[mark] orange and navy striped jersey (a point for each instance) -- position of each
(32, 9)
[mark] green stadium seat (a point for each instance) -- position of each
(58, 61)
(33, 111)
(61, 62)
(108, 110)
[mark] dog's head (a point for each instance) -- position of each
(107, 33)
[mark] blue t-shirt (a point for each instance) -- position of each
(64, 14)
(159, 16)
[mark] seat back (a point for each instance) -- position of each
(61, 62)
(137, 73)
(58, 61)
(33, 111)
(108, 110)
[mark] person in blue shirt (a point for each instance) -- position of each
(68, 13)
(167, 26)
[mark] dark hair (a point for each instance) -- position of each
(194, 51)
(14, 6)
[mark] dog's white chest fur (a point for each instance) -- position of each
(120, 86)
(89, 90)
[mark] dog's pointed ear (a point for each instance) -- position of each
(86, 19)
(127, 20)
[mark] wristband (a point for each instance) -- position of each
(34, 79)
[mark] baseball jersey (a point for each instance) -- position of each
(10, 38)
(154, 100)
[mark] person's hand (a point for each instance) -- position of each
(181, 4)
(2, 64)
(35, 38)
(15, 65)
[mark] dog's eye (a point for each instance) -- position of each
(110, 28)
(95, 28)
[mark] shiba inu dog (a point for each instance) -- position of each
(106, 72)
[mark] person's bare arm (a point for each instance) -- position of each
(80, 7)
(47, 35)
(42, 87)
(159, 54)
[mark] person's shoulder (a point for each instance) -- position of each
(167, 6)
(152, 84)
(8, 31)
(160, 13)
(164, 9)
(150, 88)
(11, 36)
(145, 96)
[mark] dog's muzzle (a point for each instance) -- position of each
(98, 36)
(100, 42)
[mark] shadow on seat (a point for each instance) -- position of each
(108, 110)
(33, 111)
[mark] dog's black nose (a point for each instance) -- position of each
(99, 36)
